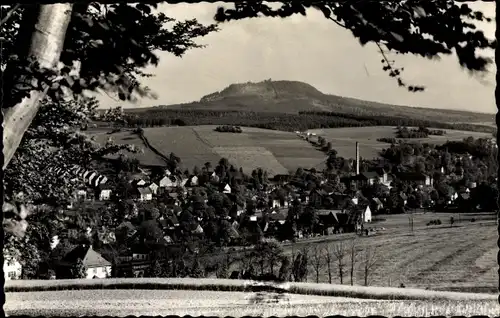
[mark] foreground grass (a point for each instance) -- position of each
(360, 292)
(234, 304)
(461, 258)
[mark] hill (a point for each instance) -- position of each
(292, 97)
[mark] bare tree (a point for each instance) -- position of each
(369, 261)
(353, 253)
(328, 261)
(410, 222)
(340, 252)
(317, 261)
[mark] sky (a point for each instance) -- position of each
(313, 50)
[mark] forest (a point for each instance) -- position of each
(281, 121)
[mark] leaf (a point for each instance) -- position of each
(397, 37)
(419, 12)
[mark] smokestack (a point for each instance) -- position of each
(357, 158)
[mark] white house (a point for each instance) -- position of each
(103, 180)
(145, 194)
(193, 181)
(104, 192)
(91, 177)
(153, 187)
(81, 194)
(214, 177)
(226, 189)
(367, 215)
(97, 266)
(12, 269)
(275, 203)
(168, 182)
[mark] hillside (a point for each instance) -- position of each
(344, 139)
(279, 152)
(291, 97)
(276, 151)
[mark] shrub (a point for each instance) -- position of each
(387, 140)
(227, 128)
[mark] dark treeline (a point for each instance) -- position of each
(275, 121)
(280, 121)
(381, 120)
(227, 128)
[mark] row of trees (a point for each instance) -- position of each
(282, 121)
(268, 261)
(227, 128)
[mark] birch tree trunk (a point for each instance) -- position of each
(42, 36)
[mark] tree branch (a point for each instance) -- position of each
(10, 13)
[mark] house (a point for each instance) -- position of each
(168, 182)
(92, 177)
(366, 213)
(96, 265)
(12, 269)
(103, 192)
(214, 177)
(226, 189)
(145, 194)
(192, 181)
(279, 203)
(138, 183)
(81, 195)
(153, 187)
(278, 217)
(417, 178)
(367, 178)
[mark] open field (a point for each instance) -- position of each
(344, 139)
(277, 151)
(236, 304)
(253, 148)
(461, 258)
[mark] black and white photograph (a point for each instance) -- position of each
(250, 158)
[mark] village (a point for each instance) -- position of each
(113, 227)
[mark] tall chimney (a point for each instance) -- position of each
(357, 158)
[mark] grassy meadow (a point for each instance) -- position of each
(235, 304)
(460, 258)
(344, 139)
(278, 152)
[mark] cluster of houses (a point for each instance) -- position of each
(274, 210)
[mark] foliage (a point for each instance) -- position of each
(130, 35)
(226, 128)
(289, 122)
(79, 270)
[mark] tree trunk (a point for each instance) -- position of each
(41, 36)
(329, 273)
